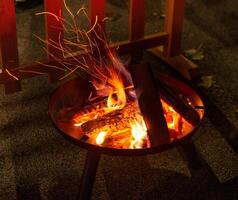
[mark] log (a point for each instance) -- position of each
(149, 103)
(169, 95)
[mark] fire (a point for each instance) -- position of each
(109, 107)
(117, 96)
(138, 133)
(133, 132)
(173, 118)
(101, 137)
(113, 89)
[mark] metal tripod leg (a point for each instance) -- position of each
(89, 174)
(190, 155)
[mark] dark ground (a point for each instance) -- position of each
(37, 163)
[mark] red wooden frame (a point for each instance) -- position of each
(169, 39)
(54, 32)
(8, 43)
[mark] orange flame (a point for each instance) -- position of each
(172, 117)
(114, 90)
(101, 137)
(138, 133)
(109, 77)
(117, 96)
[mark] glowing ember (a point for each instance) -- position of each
(120, 116)
(116, 97)
(101, 137)
(172, 117)
(125, 127)
(139, 134)
(113, 89)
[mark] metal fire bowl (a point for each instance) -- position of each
(75, 93)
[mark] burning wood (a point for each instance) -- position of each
(180, 105)
(112, 119)
(150, 105)
(125, 128)
(114, 116)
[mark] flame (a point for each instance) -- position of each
(117, 96)
(138, 133)
(101, 137)
(113, 89)
(172, 117)
(116, 99)
(109, 78)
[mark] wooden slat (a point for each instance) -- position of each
(136, 24)
(54, 30)
(171, 52)
(147, 42)
(97, 15)
(98, 8)
(174, 26)
(136, 19)
(29, 71)
(8, 43)
(9, 60)
(1, 62)
(123, 47)
(136, 32)
(185, 67)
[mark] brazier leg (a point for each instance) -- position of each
(190, 155)
(89, 174)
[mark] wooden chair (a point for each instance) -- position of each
(166, 44)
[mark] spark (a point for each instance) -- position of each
(69, 73)
(58, 60)
(33, 72)
(48, 13)
(50, 66)
(88, 46)
(80, 10)
(94, 25)
(10, 74)
(105, 19)
(68, 10)
(60, 44)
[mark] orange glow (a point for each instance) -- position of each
(138, 133)
(114, 120)
(101, 137)
(133, 133)
(172, 117)
(114, 90)
(117, 96)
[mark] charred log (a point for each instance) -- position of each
(150, 104)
